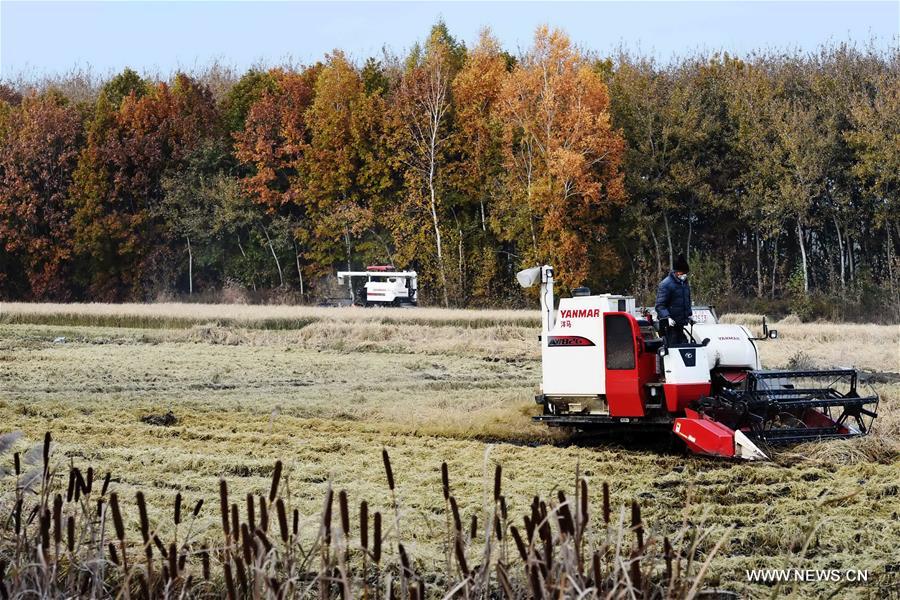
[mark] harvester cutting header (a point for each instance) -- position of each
(605, 368)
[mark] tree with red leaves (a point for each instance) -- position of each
(38, 155)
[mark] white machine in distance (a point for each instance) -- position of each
(385, 286)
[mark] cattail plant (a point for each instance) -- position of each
(69, 537)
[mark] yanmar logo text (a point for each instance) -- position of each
(579, 313)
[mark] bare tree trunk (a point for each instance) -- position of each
(299, 270)
(656, 251)
(889, 243)
(775, 263)
(190, 266)
(759, 277)
(483, 223)
(837, 228)
(669, 241)
(803, 256)
(275, 256)
(687, 247)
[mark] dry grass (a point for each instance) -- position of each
(326, 397)
(172, 315)
(264, 547)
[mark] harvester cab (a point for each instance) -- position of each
(605, 368)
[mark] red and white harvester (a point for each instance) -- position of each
(606, 369)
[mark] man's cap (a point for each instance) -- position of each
(681, 264)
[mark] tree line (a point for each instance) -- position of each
(777, 174)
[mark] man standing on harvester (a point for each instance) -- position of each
(673, 303)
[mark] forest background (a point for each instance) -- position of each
(776, 173)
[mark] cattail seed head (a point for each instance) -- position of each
(263, 514)
(70, 489)
(520, 545)
(241, 574)
(197, 507)
(282, 519)
(46, 453)
(178, 508)
(326, 517)
(534, 579)
(251, 516)
(88, 486)
(173, 560)
(57, 519)
(498, 531)
(376, 538)
(70, 533)
(636, 523)
(223, 505)
(445, 481)
(461, 556)
(454, 508)
(606, 503)
(105, 485)
(246, 544)
(387, 468)
(364, 525)
(473, 527)
(404, 558)
(114, 554)
(142, 513)
(235, 523)
(498, 472)
(276, 478)
(345, 513)
(17, 461)
(264, 539)
(295, 528)
(79, 484)
(117, 516)
(204, 560)
(229, 580)
(158, 543)
(45, 529)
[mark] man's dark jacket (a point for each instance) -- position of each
(673, 299)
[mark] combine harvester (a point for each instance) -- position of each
(605, 369)
(385, 286)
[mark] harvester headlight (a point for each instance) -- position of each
(529, 277)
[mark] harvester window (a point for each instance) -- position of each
(619, 342)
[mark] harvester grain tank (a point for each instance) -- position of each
(605, 368)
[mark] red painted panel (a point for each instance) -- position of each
(680, 395)
(624, 387)
(705, 436)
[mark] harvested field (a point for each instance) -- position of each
(326, 395)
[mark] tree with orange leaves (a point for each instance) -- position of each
(422, 120)
(38, 155)
(478, 173)
(562, 155)
(119, 183)
(272, 148)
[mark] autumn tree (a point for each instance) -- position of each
(38, 155)
(272, 149)
(563, 157)
(477, 175)
(422, 118)
(118, 183)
